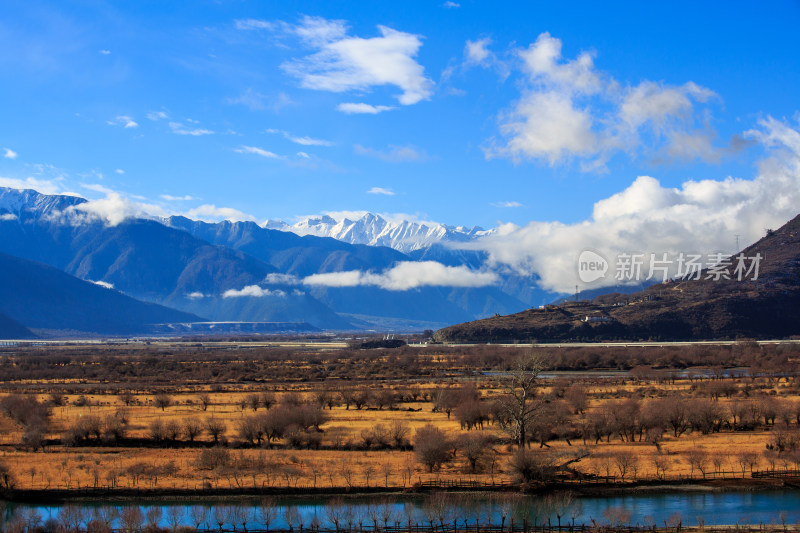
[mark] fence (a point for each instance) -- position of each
(778, 474)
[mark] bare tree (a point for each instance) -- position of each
(432, 446)
(215, 428)
(519, 404)
(192, 428)
(162, 400)
(205, 400)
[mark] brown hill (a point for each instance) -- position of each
(768, 307)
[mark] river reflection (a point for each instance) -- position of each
(688, 508)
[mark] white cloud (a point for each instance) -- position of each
(179, 129)
(407, 275)
(196, 295)
(506, 204)
(253, 291)
(9, 153)
(362, 108)
(8, 216)
(303, 155)
(696, 217)
(548, 126)
(257, 151)
(343, 63)
(119, 171)
(394, 154)
(43, 186)
(212, 213)
(568, 109)
(477, 52)
(124, 121)
(104, 284)
(170, 198)
(451, 5)
(115, 208)
(157, 115)
(381, 190)
(105, 52)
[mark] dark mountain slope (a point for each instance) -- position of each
(11, 329)
(42, 297)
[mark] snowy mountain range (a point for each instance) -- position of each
(247, 272)
(375, 230)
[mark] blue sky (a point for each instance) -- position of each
(478, 117)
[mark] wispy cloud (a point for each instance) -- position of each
(157, 115)
(362, 108)
(170, 198)
(104, 284)
(305, 140)
(506, 204)
(381, 190)
(124, 121)
(394, 154)
(257, 151)
(254, 24)
(9, 153)
(119, 171)
(257, 101)
(179, 129)
(104, 52)
(343, 63)
(451, 5)
(96, 187)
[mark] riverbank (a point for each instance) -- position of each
(580, 489)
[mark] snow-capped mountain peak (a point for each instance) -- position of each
(375, 230)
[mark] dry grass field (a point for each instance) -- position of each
(342, 452)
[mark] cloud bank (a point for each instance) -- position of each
(568, 109)
(406, 275)
(699, 216)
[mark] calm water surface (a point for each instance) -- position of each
(636, 509)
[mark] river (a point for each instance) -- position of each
(770, 506)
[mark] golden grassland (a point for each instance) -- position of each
(61, 467)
